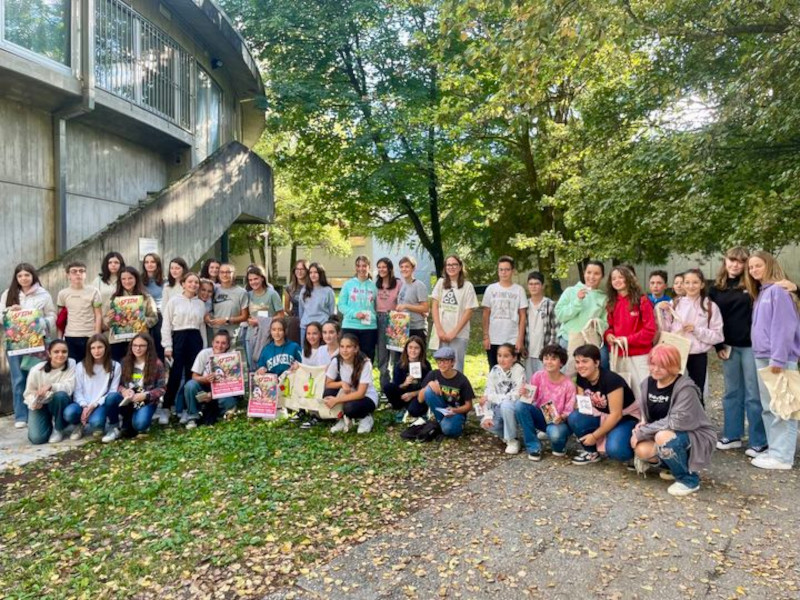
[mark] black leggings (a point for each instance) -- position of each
(155, 333)
(367, 340)
(696, 369)
(358, 409)
(394, 392)
(186, 345)
(76, 347)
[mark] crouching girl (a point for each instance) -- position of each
(48, 391)
(675, 430)
(141, 387)
(96, 376)
(350, 376)
(550, 405)
(499, 403)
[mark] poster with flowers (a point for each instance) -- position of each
(264, 399)
(305, 387)
(397, 331)
(25, 330)
(127, 318)
(228, 375)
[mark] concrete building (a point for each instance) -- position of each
(124, 125)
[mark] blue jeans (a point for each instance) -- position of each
(531, 419)
(781, 435)
(451, 426)
(18, 379)
(742, 397)
(42, 421)
(675, 454)
(618, 440)
(190, 391)
(97, 420)
(505, 420)
(138, 419)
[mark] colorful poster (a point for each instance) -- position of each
(398, 330)
(229, 375)
(25, 330)
(127, 318)
(263, 402)
(304, 387)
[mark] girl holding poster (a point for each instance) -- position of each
(280, 353)
(25, 293)
(351, 374)
(126, 318)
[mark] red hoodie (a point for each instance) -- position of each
(638, 326)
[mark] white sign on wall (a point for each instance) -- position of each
(146, 246)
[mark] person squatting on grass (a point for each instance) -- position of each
(447, 393)
(48, 392)
(674, 431)
(348, 385)
(96, 377)
(553, 393)
(405, 386)
(197, 391)
(499, 402)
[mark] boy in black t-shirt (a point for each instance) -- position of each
(447, 393)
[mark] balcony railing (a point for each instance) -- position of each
(137, 61)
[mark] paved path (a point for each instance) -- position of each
(556, 530)
(16, 450)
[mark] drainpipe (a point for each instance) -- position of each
(85, 58)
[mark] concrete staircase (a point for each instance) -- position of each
(232, 185)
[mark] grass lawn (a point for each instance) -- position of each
(235, 510)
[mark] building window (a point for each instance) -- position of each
(41, 26)
(209, 111)
(136, 60)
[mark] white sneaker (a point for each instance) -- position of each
(184, 418)
(342, 426)
(77, 433)
(365, 425)
(754, 451)
(680, 489)
(111, 436)
(666, 475)
(419, 421)
(55, 437)
(542, 436)
(191, 424)
(20, 424)
(728, 444)
(512, 447)
(163, 417)
(764, 461)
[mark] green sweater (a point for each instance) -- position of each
(573, 313)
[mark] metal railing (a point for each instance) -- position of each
(137, 61)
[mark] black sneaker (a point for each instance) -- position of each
(535, 456)
(310, 423)
(754, 451)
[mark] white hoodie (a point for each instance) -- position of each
(36, 298)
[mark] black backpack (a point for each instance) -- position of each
(427, 432)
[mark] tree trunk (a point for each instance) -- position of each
(273, 264)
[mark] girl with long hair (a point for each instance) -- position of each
(405, 385)
(631, 322)
(312, 343)
(96, 377)
(291, 298)
(129, 283)
(140, 389)
(48, 391)
(775, 335)
(106, 281)
(25, 292)
(175, 272)
(388, 287)
(316, 302)
(153, 282)
(279, 355)
(453, 302)
(350, 375)
(697, 318)
(357, 305)
(210, 269)
(262, 298)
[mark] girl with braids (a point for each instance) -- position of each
(141, 386)
(631, 321)
(129, 283)
(697, 318)
(25, 292)
(351, 374)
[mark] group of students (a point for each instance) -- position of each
(650, 413)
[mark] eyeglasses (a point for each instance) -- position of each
(299, 269)
(76, 271)
(225, 271)
(452, 265)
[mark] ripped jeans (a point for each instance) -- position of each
(675, 454)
